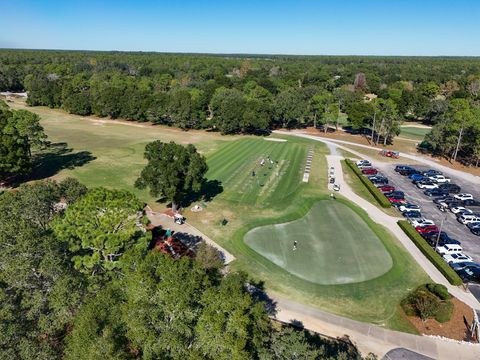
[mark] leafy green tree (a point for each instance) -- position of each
(227, 106)
(99, 228)
(15, 158)
(98, 330)
(360, 114)
(163, 305)
(461, 114)
(231, 325)
(287, 344)
(290, 108)
(172, 170)
(28, 125)
(39, 292)
(71, 190)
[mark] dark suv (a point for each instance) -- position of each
(450, 188)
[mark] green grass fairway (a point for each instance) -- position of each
(335, 246)
(414, 133)
(234, 164)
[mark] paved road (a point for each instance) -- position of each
(470, 242)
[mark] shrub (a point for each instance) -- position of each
(439, 290)
(430, 253)
(444, 312)
(377, 194)
(426, 304)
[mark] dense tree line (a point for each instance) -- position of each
(238, 93)
(77, 281)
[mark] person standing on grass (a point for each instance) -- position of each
(295, 245)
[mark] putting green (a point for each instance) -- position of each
(335, 246)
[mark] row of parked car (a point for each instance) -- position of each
(450, 249)
(448, 197)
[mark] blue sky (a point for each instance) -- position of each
(388, 27)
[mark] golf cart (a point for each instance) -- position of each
(179, 219)
(336, 187)
(332, 180)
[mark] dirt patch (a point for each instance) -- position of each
(457, 328)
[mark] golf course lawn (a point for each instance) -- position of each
(335, 246)
(102, 152)
(414, 133)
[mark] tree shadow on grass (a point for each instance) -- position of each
(57, 157)
(208, 190)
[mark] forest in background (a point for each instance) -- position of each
(257, 93)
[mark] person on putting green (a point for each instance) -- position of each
(295, 245)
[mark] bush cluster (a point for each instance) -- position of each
(430, 253)
(430, 301)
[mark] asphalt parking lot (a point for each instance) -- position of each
(470, 242)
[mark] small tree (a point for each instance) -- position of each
(172, 170)
(427, 305)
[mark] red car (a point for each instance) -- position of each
(426, 229)
(386, 188)
(369, 171)
(396, 200)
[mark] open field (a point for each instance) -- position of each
(112, 153)
(335, 246)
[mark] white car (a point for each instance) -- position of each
(449, 249)
(426, 186)
(468, 218)
(365, 166)
(439, 179)
(360, 162)
(456, 258)
(463, 196)
(409, 207)
(459, 209)
(421, 222)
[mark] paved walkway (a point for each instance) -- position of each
(167, 223)
(372, 338)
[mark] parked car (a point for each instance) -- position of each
(460, 209)
(399, 168)
(382, 180)
(408, 172)
(473, 225)
(362, 162)
(432, 172)
(426, 229)
(442, 238)
(469, 275)
(440, 179)
(435, 192)
(421, 222)
(442, 199)
(386, 188)
(408, 206)
(364, 166)
(395, 193)
(370, 171)
(416, 177)
(468, 218)
(464, 265)
(463, 196)
(449, 249)
(397, 199)
(456, 258)
(426, 184)
(475, 231)
(471, 202)
(412, 214)
(451, 188)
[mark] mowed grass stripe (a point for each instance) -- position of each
(234, 163)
